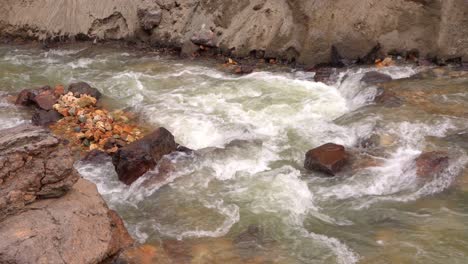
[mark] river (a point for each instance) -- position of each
(250, 134)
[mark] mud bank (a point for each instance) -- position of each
(301, 31)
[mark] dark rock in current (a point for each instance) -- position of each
(323, 74)
(33, 165)
(329, 158)
(244, 69)
(83, 88)
(149, 18)
(184, 149)
(374, 77)
(252, 237)
(45, 118)
(135, 159)
(370, 142)
(432, 163)
(387, 98)
(204, 37)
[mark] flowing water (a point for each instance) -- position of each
(250, 134)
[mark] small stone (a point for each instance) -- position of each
(80, 135)
(82, 118)
(72, 111)
(86, 142)
(100, 126)
(77, 129)
(108, 126)
(130, 138)
(93, 146)
(89, 134)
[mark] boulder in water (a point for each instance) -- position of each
(374, 77)
(244, 69)
(82, 88)
(135, 159)
(329, 158)
(431, 163)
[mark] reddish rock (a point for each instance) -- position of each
(24, 98)
(329, 158)
(431, 163)
(135, 159)
(45, 100)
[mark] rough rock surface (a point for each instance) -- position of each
(286, 29)
(33, 165)
(329, 158)
(76, 228)
(133, 160)
(431, 163)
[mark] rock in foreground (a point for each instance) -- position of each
(133, 160)
(76, 228)
(329, 158)
(33, 165)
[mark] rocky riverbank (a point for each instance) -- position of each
(293, 31)
(48, 214)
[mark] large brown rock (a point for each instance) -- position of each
(431, 163)
(43, 97)
(329, 158)
(45, 118)
(133, 160)
(76, 228)
(33, 165)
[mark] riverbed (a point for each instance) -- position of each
(250, 134)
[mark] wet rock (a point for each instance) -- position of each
(204, 37)
(184, 149)
(431, 163)
(370, 142)
(82, 88)
(45, 118)
(33, 165)
(374, 77)
(323, 74)
(76, 228)
(387, 98)
(145, 254)
(133, 160)
(329, 158)
(149, 18)
(244, 69)
(27, 97)
(252, 237)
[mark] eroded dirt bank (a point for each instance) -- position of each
(301, 31)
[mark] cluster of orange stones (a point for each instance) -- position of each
(89, 127)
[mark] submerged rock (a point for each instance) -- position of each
(244, 69)
(82, 88)
(135, 159)
(33, 165)
(374, 77)
(329, 158)
(431, 163)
